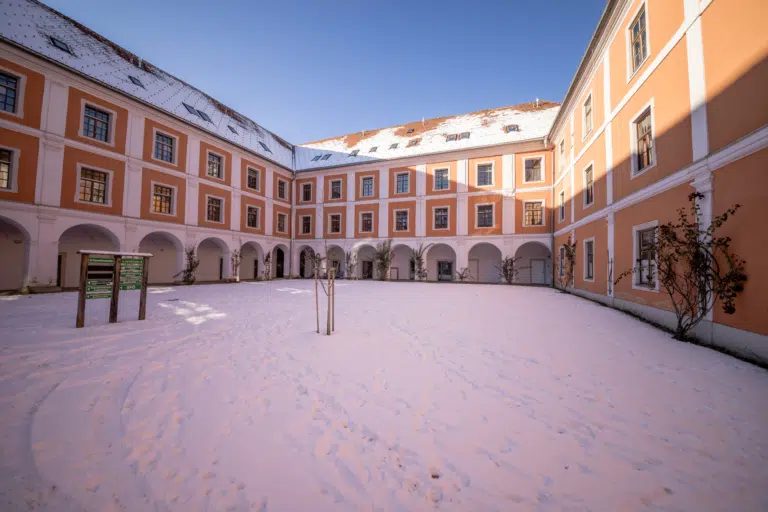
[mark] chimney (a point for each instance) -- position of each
(537, 102)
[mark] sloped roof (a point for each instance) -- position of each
(30, 24)
(485, 128)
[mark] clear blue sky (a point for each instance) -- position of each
(321, 68)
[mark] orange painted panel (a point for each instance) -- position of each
(334, 210)
(594, 156)
(202, 206)
(546, 170)
(474, 162)
(118, 125)
(33, 85)
(245, 202)
(279, 209)
(226, 157)
(431, 168)
(598, 231)
(244, 165)
(431, 204)
(150, 128)
(26, 149)
(148, 176)
(472, 202)
(70, 182)
(281, 177)
(563, 186)
(411, 182)
(302, 212)
(520, 198)
(595, 88)
(327, 188)
(359, 185)
(402, 205)
(361, 208)
(299, 199)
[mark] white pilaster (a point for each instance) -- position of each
(350, 186)
(572, 169)
(383, 184)
(132, 191)
(508, 214)
(462, 176)
(320, 190)
(383, 220)
(462, 255)
(135, 143)
(350, 220)
(461, 215)
(55, 117)
(237, 177)
(507, 171)
(235, 210)
(193, 156)
(50, 169)
(421, 180)
(611, 261)
(319, 227)
(703, 185)
(44, 252)
(269, 214)
(421, 217)
(269, 183)
(697, 90)
(608, 132)
(190, 216)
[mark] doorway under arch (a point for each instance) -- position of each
(81, 237)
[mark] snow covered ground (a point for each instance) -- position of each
(428, 396)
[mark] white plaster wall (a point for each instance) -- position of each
(401, 260)
(365, 253)
(439, 253)
(488, 259)
(209, 253)
(75, 239)
(248, 256)
(12, 251)
(165, 261)
(527, 252)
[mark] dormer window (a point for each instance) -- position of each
(373, 149)
(232, 129)
(318, 157)
(265, 147)
(204, 116)
(61, 45)
(463, 135)
(354, 153)
(410, 131)
(512, 128)
(393, 146)
(136, 81)
(191, 109)
(413, 142)
(326, 156)
(452, 137)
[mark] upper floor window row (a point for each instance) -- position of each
(9, 92)
(456, 136)
(96, 123)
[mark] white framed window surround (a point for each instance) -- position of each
(13, 178)
(336, 182)
(222, 211)
(361, 224)
(632, 70)
(175, 150)
(587, 115)
(435, 181)
(396, 227)
(636, 256)
(222, 166)
(110, 142)
(542, 168)
(363, 180)
(306, 187)
(108, 189)
(650, 109)
(331, 218)
(477, 215)
(407, 182)
(447, 208)
(281, 218)
(528, 220)
(561, 262)
(257, 172)
(585, 244)
(174, 198)
(255, 211)
(561, 207)
(492, 172)
(21, 87)
(282, 194)
(302, 218)
(588, 194)
(561, 154)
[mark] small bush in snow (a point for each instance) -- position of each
(188, 275)
(417, 258)
(236, 259)
(350, 260)
(267, 272)
(508, 270)
(463, 275)
(384, 259)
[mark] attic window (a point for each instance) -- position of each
(232, 129)
(190, 109)
(452, 137)
(463, 135)
(512, 128)
(204, 116)
(354, 153)
(326, 156)
(410, 131)
(413, 142)
(265, 147)
(317, 158)
(373, 149)
(61, 45)
(393, 146)
(136, 81)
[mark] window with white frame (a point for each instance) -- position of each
(589, 260)
(441, 218)
(366, 222)
(334, 223)
(214, 166)
(281, 222)
(254, 179)
(403, 183)
(562, 205)
(281, 189)
(484, 175)
(306, 224)
(96, 124)
(335, 189)
(9, 92)
(164, 146)
(638, 40)
(6, 169)
(401, 220)
(94, 186)
(644, 152)
(306, 192)
(252, 217)
(162, 199)
(562, 154)
(561, 262)
(645, 257)
(485, 216)
(214, 209)
(367, 187)
(533, 213)
(441, 179)
(587, 110)
(589, 186)
(533, 171)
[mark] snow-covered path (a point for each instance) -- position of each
(428, 396)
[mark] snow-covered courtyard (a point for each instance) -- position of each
(427, 396)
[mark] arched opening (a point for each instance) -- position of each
(81, 237)
(366, 262)
(213, 254)
(336, 259)
(167, 257)
(278, 262)
(402, 267)
(14, 248)
(485, 263)
(535, 263)
(441, 263)
(307, 262)
(251, 265)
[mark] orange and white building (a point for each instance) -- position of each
(99, 149)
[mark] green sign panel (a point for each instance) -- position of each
(131, 273)
(98, 288)
(101, 260)
(99, 295)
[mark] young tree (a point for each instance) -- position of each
(236, 260)
(267, 272)
(508, 270)
(566, 258)
(419, 265)
(694, 266)
(317, 260)
(384, 259)
(463, 275)
(188, 275)
(350, 262)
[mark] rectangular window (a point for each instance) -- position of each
(562, 205)
(366, 222)
(646, 257)
(587, 115)
(213, 213)
(254, 181)
(335, 223)
(281, 194)
(214, 166)
(162, 199)
(533, 170)
(367, 187)
(441, 179)
(9, 92)
(252, 219)
(589, 259)
(441, 218)
(484, 175)
(561, 262)
(6, 169)
(644, 141)
(281, 223)
(96, 124)
(589, 187)
(534, 214)
(93, 186)
(306, 224)
(638, 35)
(164, 147)
(403, 183)
(485, 216)
(336, 189)
(401, 220)
(306, 192)
(562, 154)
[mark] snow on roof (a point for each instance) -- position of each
(477, 129)
(40, 29)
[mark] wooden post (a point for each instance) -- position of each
(328, 321)
(115, 292)
(317, 304)
(143, 296)
(81, 291)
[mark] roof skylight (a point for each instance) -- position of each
(512, 128)
(190, 109)
(452, 137)
(373, 149)
(265, 147)
(410, 131)
(318, 157)
(413, 142)
(393, 146)
(136, 81)
(326, 156)
(354, 153)
(61, 45)
(463, 135)
(204, 116)
(232, 129)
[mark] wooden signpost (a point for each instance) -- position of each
(104, 274)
